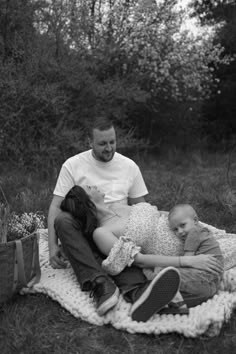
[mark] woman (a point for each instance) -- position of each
(136, 235)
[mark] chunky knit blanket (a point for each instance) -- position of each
(62, 286)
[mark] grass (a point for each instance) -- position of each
(36, 324)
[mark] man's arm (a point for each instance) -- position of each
(136, 200)
(54, 250)
(138, 187)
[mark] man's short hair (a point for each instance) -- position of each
(101, 123)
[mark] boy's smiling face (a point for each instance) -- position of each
(181, 223)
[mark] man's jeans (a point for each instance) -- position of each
(86, 259)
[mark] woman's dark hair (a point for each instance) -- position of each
(80, 206)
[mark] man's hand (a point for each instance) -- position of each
(56, 257)
(55, 252)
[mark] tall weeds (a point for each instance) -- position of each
(174, 177)
(4, 217)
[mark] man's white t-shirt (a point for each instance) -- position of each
(118, 179)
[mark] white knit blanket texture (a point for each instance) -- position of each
(62, 286)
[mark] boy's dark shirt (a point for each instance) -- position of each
(200, 240)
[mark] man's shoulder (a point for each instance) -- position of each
(122, 158)
(82, 156)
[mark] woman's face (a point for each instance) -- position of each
(94, 193)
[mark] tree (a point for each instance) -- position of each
(220, 110)
(78, 58)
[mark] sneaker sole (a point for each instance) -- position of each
(159, 293)
(172, 311)
(109, 303)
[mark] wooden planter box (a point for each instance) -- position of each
(19, 265)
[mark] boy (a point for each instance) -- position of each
(183, 221)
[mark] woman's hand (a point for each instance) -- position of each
(205, 262)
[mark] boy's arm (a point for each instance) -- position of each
(189, 253)
(203, 262)
(133, 201)
(192, 243)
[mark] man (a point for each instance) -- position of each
(120, 179)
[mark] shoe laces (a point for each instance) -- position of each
(97, 289)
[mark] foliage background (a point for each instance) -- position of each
(63, 62)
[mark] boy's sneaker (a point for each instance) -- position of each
(105, 293)
(175, 307)
(159, 292)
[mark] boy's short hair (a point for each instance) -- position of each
(190, 211)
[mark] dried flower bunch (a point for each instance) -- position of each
(23, 225)
(13, 226)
